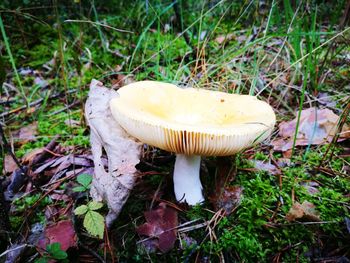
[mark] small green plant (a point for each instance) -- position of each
(93, 221)
(84, 181)
(53, 252)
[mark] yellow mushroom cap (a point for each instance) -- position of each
(192, 121)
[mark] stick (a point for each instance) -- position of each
(8, 149)
(34, 103)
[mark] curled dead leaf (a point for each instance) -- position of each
(316, 126)
(123, 152)
(306, 210)
(268, 167)
(9, 164)
(29, 157)
(229, 199)
(26, 133)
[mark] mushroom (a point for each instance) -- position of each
(192, 123)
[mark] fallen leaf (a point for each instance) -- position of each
(41, 82)
(62, 197)
(18, 179)
(29, 157)
(268, 167)
(316, 126)
(123, 152)
(62, 232)
(64, 162)
(325, 99)
(50, 212)
(311, 187)
(160, 226)
(9, 164)
(26, 133)
(16, 250)
(26, 71)
(72, 123)
(306, 210)
(121, 80)
(229, 199)
(220, 39)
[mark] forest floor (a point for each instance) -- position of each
(284, 200)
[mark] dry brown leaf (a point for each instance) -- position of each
(122, 150)
(122, 80)
(72, 123)
(311, 187)
(26, 133)
(316, 126)
(29, 157)
(229, 199)
(268, 167)
(220, 39)
(9, 164)
(306, 210)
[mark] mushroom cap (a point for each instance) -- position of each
(192, 121)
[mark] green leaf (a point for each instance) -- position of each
(55, 251)
(42, 260)
(94, 223)
(84, 179)
(79, 189)
(94, 205)
(80, 210)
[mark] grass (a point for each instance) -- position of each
(286, 55)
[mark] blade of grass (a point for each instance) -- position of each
(178, 36)
(142, 36)
(300, 59)
(12, 60)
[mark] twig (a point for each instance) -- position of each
(65, 108)
(48, 149)
(97, 24)
(9, 101)
(34, 103)
(108, 244)
(303, 223)
(8, 149)
(14, 249)
(92, 253)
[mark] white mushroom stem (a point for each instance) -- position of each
(187, 184)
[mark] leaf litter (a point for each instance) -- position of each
(306, 211)
(316, 126)
(61, 232)
(160, 227)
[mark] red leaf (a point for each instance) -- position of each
(160, 225)
(61, 232)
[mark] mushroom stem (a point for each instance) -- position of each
(187, 184)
